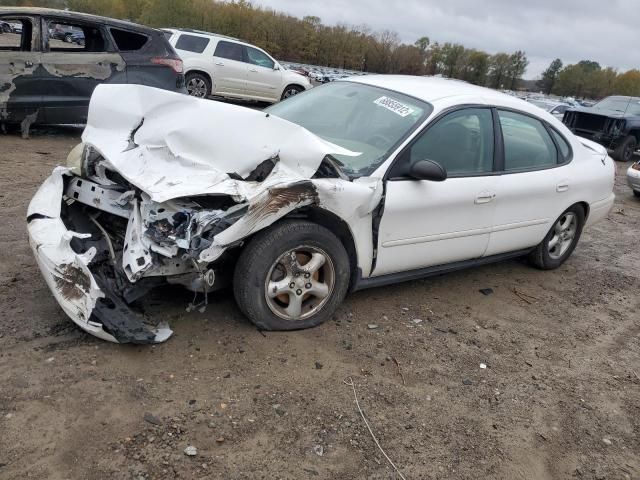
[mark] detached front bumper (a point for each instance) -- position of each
(68, 276)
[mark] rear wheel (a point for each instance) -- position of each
(561, 240)
(198, 85)
(624, 151)
(291, 276)
(290, 91)
(636, 193)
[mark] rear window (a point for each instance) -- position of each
(191, 43)
(127, 41)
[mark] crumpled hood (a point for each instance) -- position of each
(171, 145)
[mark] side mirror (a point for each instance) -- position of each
(276, 66)
(428, 170)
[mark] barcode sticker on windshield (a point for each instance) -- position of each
(394, 105)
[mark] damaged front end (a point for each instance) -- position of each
(144, 203)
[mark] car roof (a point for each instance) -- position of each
(203, 33)
(429, 89)
(69, 15)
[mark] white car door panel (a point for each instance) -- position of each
(528, 202)
(427, 223)
(432, 223)
(262, 80)
(229, 69)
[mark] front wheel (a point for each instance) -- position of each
(624, 151)
(561, 240)
(291, 276)
(290, 91)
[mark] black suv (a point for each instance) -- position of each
(44, 79)
(613, 122)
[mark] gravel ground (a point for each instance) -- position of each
(559, 397)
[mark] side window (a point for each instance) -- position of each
(70, 37)
(257, 57)
(527, 143)
(230, 50)
(462, 142)
(560, 109)
(16, 34)
(191, 43)
(127, 41)
(565, 150)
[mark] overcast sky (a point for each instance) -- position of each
(607, 31)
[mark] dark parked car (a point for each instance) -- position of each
(48, 77)
(613, 122)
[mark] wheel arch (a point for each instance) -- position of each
(293, 84)
(201, 72)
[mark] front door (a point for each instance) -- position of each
(229, 69)
(20, 56)
(262, 80)
(426, 223)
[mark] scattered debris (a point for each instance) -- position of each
(318, 450)
(467, 381)
(372, 326)
(486, 291)
(349, 382)
(50, 359)
(607, 441)
(319, 365)
(191, 451)
(152, 419)
(399, 369)
(483, 365)
(279, 410)
(417, 320)
(524, 296)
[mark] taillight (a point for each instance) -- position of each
(174, 63)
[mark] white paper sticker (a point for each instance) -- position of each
(395, 106)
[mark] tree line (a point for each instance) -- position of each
(587, 79)
(356, 47)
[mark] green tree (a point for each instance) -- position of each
(549, 76)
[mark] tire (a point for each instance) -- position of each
(68, 38)
(198, 85)
(547, 257)
(624, 151)
(261, 266)
(636, 193)
(290, 91)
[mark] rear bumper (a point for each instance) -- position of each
(67, 273)
(600, 209)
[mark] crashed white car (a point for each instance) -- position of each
(359, 183)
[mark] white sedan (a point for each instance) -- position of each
(359, 183)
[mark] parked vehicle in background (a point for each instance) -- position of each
(51, 68)
(613, 122)
(228, 67)
(633, 178)
(556, 109)
(359, 183)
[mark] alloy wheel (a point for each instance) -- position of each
(197, 87)
(299, 283)
(564, 231)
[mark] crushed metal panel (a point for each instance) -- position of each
(187, 146)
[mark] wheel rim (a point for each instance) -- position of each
(628, 152)
(196, 87)
(299, 283)
(564, 232)
(290, 92)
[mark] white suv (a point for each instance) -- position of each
(227, 67)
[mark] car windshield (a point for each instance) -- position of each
(364, 119)
(621, 104)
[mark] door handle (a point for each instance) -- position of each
(484, 198)
(220, 64)
(253, 70)
(562, 187)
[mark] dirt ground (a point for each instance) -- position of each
(559, 398)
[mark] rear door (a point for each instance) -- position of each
(75, 65)
(535, 185)
(20, 56)
(229, 69)
(262, 80)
